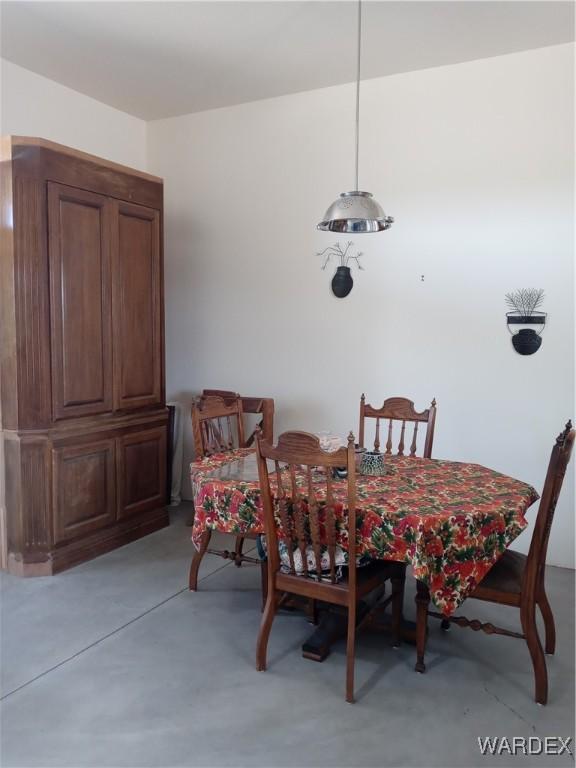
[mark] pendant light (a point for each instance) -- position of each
(356, 211)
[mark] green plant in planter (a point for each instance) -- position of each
(523, 305)
(342, 281)
(525, 301)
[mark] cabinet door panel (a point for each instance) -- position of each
(142, 471)
(80, 312)
(84, 488)
(137, 308)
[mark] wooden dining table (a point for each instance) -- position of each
(450, 520)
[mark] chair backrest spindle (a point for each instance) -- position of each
(389, 440)
(401, 443)
(413, 444)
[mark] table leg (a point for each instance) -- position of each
(422, 602)
(333, 624)
(332, 627)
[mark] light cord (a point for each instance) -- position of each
(358, 88)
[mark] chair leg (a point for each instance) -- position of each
(265, 627)
(190, 517)
(398, 582)
(197, 559)
(264, 581)
(528, 619)
(547, 615)
(422, 602)
(350, 653)
(238, 547)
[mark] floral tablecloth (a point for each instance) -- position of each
(451, 521)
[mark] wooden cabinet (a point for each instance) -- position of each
(79, 230)
(142, 467)
(82, 369)
(84, 488)
(136, 306)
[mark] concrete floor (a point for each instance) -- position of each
(115, 663)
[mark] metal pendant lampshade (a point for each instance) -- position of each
(356, 211)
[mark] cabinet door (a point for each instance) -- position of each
(84, 488)
(141, 471)
(137, 307)
(80, 301)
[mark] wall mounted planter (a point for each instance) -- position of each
(342, 282)
(526, 339)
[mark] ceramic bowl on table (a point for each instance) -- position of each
(372, 464)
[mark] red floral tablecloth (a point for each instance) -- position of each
(450, 520)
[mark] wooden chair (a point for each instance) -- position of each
(518, 580)
(300, 522)
(217, 427)
(399, 409)
(263, 406)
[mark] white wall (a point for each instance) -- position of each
(32, 105)
(475, 161)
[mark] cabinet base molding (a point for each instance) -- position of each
(105, 540)
(18, 567)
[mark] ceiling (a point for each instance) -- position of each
(160, 59)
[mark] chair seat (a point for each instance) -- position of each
(505, 577)
(367, 578)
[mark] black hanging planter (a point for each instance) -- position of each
(342, 282)
(526, 341)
